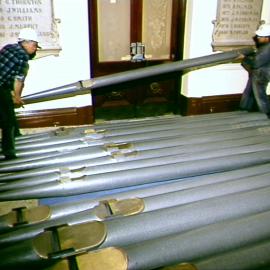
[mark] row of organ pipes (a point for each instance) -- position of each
(171, 192)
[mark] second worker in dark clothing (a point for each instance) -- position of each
(13, 70)
(258, 67)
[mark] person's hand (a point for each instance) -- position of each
(240, 57)
(18, 102)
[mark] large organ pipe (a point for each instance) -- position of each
(152, 225)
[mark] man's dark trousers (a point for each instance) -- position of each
(8, 122)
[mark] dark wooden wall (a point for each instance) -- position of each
(85, 115)
(56, 117)
(209, 104)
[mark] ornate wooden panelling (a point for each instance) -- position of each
(159, 26)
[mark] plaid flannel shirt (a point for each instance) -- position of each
(13, 64)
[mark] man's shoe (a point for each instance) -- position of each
(18, 134)
(10, 157)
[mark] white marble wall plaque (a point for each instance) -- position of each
(235, 24)
(36, 14)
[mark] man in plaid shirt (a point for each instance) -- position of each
(13, 70)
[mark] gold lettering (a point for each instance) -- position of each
(24, 10)
(24, 25)
(24, 2)
(44, 34)
(22, 18)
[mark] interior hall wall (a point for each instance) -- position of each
(222, 79)
(73, 62)
(71, 65)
